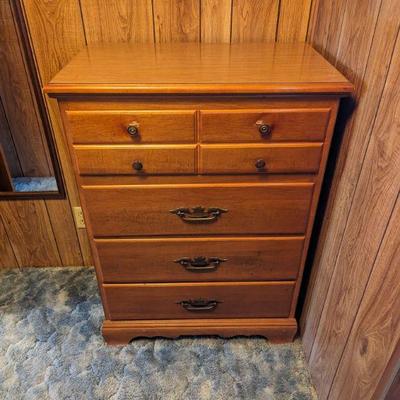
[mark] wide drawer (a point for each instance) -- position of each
(199, 300)
(263, 125)
(135, 160)
(200, 259)
(120, 126)
(185, 209)
(258, 158)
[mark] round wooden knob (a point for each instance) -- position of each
(133, 129)
(260, 164)
(264, 129)
(137, 165)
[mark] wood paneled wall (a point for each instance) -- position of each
(26, 156)
(42, 233)
(351, 321)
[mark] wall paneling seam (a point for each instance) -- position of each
(11, 136)
(231, 23)
(311, 17)
(9, 241)
(60, 260)
(83, 21)
(154, 21)
(278, 19)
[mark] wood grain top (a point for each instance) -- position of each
(199, 68)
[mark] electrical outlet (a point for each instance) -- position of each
(78, 215)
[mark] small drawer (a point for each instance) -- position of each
(258, 158)
(200, 259)
(199, 300)
(135, 160)
(246, 126)
(119, 127)
(195, 209)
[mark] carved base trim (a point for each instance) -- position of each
(276, 330)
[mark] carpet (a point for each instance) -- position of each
(51, 348)
(35, 184)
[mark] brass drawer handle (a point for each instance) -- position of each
(198, 214)
(199, 304)
(200, 264)
(133, 129)
(263, 128)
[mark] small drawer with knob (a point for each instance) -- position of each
(258, 158)
(199, 300)
(135, 160)
(269, 125)
(131, 127)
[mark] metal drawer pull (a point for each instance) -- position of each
(133, 129)
(264, 128)
(200, 264)
(199, 304)
(198, 214)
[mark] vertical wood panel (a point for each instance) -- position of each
(18, 103)
(63, 227)
(312, 21)
(29, 230)
(394, 390)
(325, 33)
(57, 35)
(176, 20)
(7, 258)
(368, 70)
(254, 20)
(56, 31)
(377, 190)
(216, 21)
(389, 384)
(7, 143)
(351, 247)
(5, 175)
(376, 329)
(356, 37)
(293, 20)
(118, 21)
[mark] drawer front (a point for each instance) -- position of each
(273, 158)
(131, 126)
(200, 259)
(135, 160)
(172, 209)
(199, 300)
(231, 126)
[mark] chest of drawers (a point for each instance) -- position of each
(199, 169)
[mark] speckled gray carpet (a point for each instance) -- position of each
(51, 348)
(35, 184)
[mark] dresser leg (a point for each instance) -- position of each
(276, 330)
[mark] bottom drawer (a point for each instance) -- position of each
(198, 300)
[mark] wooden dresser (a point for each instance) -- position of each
(199, 168)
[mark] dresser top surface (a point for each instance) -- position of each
(268, 68)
